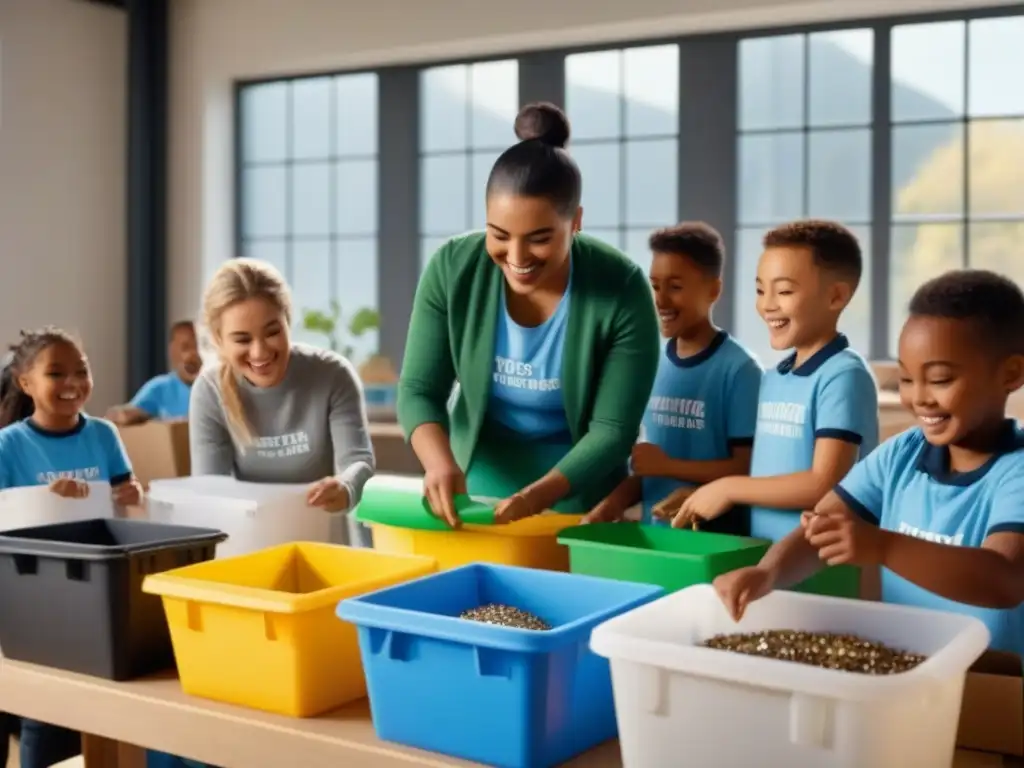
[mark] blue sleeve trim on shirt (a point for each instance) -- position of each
(741, 442)
(1006, 528)
(855, 506)
(840, 434)
(120, 479)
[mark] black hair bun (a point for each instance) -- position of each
(543, 122)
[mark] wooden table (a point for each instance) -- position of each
(155, 713)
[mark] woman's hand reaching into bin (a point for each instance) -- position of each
(329, 494)
(515, 507)
(440, 486)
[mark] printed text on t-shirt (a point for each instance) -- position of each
(519, 375)
(282, 446)
(781, 419)
(86, 474)
(679, 412)
(907, 529)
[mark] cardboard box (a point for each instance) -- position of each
(892, 422)
(992, 715)
(157, 450)
(887, 374)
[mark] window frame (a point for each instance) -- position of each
(542, 77)
(623, 140)
(467, 151)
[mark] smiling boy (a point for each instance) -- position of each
(699, 422)
(818, 409)
(940, 506)
(166, 396)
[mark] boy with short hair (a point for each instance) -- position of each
(818, 409)
(699, 422)
(940, 506)
(166, 396)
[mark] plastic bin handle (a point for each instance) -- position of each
(193, 616)
(389, 644)
(652, 684)
(26, 565)
(809, 718)
(492, 662)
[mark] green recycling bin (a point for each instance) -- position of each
(652, 554)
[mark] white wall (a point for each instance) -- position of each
(62, 171)
(215, 42)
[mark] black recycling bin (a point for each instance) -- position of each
(71, 593)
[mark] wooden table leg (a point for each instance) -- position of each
(130, 756)
(107, 753)
(99, 752)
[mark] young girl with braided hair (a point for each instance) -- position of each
(45, 436)
(47, 439)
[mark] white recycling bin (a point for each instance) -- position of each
(253, 515)
(681, 704)
(31, 506)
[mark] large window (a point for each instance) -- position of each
(308, 164)
(467, 116)
(624, 110)
(804, 150)
(958, 153)
(910, 131)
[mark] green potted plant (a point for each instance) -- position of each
(329, 324)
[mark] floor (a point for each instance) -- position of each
(12, 761)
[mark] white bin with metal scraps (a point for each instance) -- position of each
(253, 515)
(679, 703)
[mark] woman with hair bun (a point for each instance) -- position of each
(550, 335)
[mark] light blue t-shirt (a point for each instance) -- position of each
(832, 395)
(526, 386)
(91, 452)
(906, 486)
(701, 407)
(164, 397)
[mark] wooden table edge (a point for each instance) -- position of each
(120, 719)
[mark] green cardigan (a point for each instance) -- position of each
(608, 365)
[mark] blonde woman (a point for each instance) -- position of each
(272, 410)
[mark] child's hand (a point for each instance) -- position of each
(669, 507)
(70, 489)
(842, 538)
(127, 494)
(705, 503)
(605, 512)
(117, 415)
(648, 460)
(740, 588)
(329, 494)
